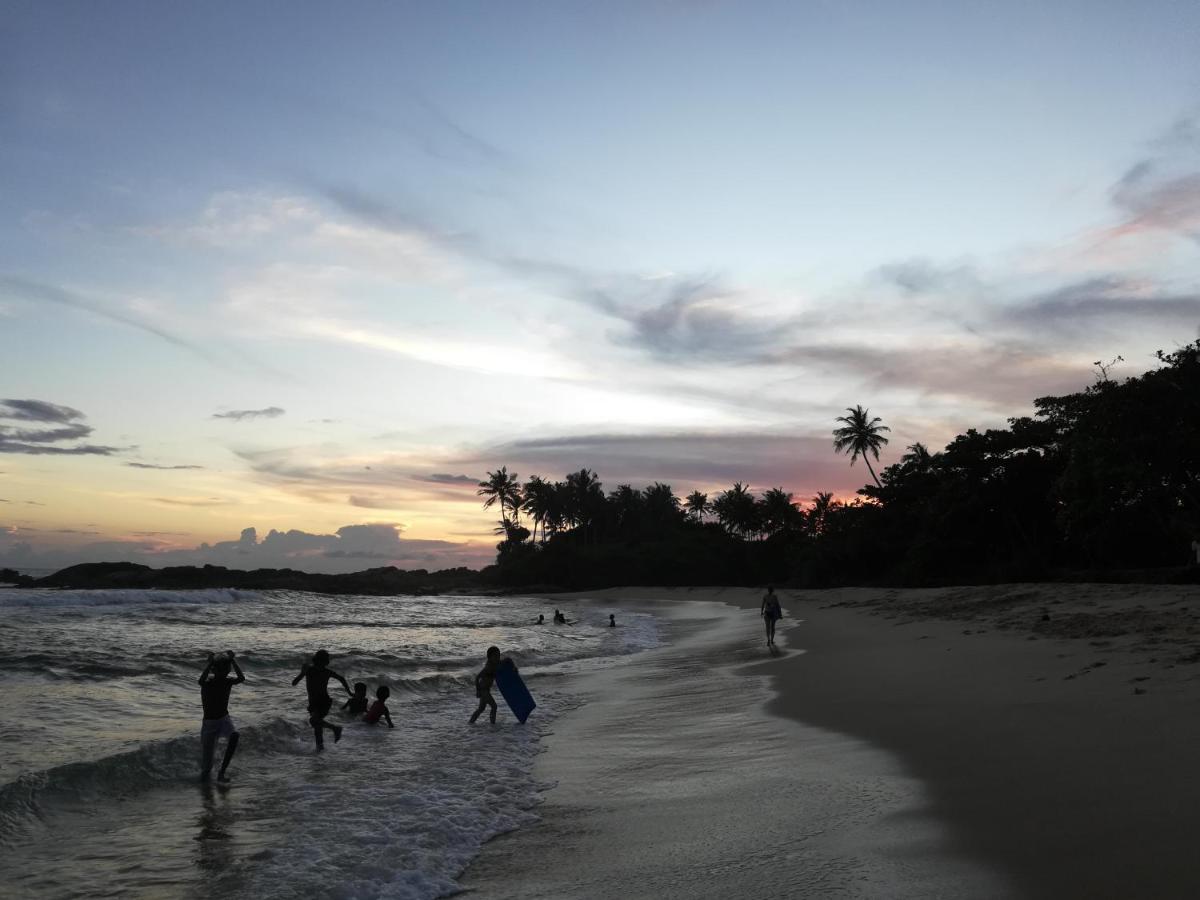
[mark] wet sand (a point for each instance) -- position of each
(1021, 741)
(674, 781)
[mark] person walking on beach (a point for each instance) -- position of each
(316, 677)
(215, 685)
(483, 684)
(771, 613)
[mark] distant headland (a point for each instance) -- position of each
(126, 575)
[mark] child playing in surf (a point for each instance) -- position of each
(316, 677)
(357, 704)
(379, 707)
(771, 613)
(215, 685)
(484, 681)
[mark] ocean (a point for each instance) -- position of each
(99, 757)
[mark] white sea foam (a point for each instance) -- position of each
(45, 597)
(384, 813)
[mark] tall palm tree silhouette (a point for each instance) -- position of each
(503, 488)
(860, 435)
(539, 503)
(697, 504)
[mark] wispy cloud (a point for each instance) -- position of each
(243, 415)
(139, 465)
(32, 290)
(192, 501)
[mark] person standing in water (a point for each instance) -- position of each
(771, 613)
(215, 685)
(612, 620)
(483, 684)
(316, 677)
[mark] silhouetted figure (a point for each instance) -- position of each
(215, 685)
(541, 619)
(771, 613)
(612, 620)
(560, 618)
(484, 681)
(379, 707)
(316, 677)
(357, 704)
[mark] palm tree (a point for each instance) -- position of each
(735, 509)
(697, 504)
(662, 506)
(918, 456)
(860, 435)
(539, 502)
(779, 511)
(503, 488)
(817, 515)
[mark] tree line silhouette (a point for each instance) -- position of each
(1098, 483)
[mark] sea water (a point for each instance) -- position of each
(99, 751)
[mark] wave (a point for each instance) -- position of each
(155, 764)
(17, 597)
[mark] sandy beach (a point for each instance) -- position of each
(1011, 741)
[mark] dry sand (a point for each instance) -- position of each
(1016, 741)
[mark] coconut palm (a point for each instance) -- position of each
(736, 510)
(662, 506)
(860, 435)
(697, 504)
(918, 457)
(779, 512)
(503, 488)
(819, 512)
(539, 503)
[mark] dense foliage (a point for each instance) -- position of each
(1102, 480)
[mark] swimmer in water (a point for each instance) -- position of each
(357, 704)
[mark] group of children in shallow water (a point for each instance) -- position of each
(216, 683)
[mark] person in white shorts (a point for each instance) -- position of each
(215, 685)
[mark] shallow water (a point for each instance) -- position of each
(98, 789)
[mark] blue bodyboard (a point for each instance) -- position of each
(513, 689)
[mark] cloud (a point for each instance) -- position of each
(351, 548)
(1162, 191)
(46, 441)
(1111, 298)
(241, 415)
(139, 465)
(37, 411)
(36, 291)
(445, 478)
(374, 502)
(192, 501)
(995, 371)
(804, 463)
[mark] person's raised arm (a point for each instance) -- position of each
(303, 672)
(236, 668)
(207, 668)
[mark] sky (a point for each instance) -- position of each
(280, 282)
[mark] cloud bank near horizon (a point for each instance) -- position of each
(350, 548)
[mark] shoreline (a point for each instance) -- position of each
(1057, 739)
(1048, 729)
(674, 779)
